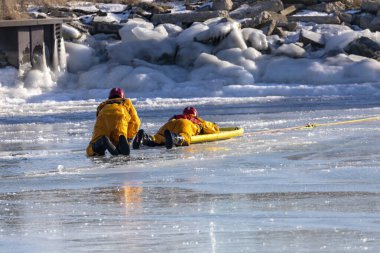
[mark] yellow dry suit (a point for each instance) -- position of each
(114, 117)
(186, 126)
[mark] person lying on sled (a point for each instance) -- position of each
(177, 131)
(116, 123)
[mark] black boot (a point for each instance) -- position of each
(109, 146)
(103, 144)
(123, 146)
(138, 139)
(173, 139)
(142, 139)
(98, 147)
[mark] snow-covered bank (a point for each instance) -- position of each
(215, 58)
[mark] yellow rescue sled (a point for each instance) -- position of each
(225, 133)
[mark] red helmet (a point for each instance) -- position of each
(116, 93)
(190, 110)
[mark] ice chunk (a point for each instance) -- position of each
(174, 72)
(215, 33)
(171, 29)
(244, 58)
(188, 35)
(233, 40)
(208, 67)
(126, 33)
(339, 69)
(255, 38)
(104, 76)
(291, 50)
(153, 51)
(80, 57)
(146, 79)
(336, 43)
(70, 33)
(189, 52)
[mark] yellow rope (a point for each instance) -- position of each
(314, 125)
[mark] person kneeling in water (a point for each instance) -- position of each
(116, 123)
(177, 131)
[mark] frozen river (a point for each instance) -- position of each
(312, 190)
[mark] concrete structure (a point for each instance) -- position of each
(30, 42)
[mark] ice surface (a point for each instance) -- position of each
(273, 190)
(302, 190)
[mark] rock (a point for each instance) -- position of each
(260, 19)
(364, 46)
(374, 26)
(304, 2)
(309, 37)
(352, 4)
(279, 19)
(316, 19)
(279, 31)
(38, 15)
(269, 27)
(328, 7)
(292, 26)
(344, 17)
(219, 5)
(186, 17)
(365, 20)
(107, 28)
(3, 59)
(246, 11)
(372, 6)
(289, 10)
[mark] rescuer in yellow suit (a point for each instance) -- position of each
(116, 123)
(177, 131)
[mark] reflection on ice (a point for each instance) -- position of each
(224, 222)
